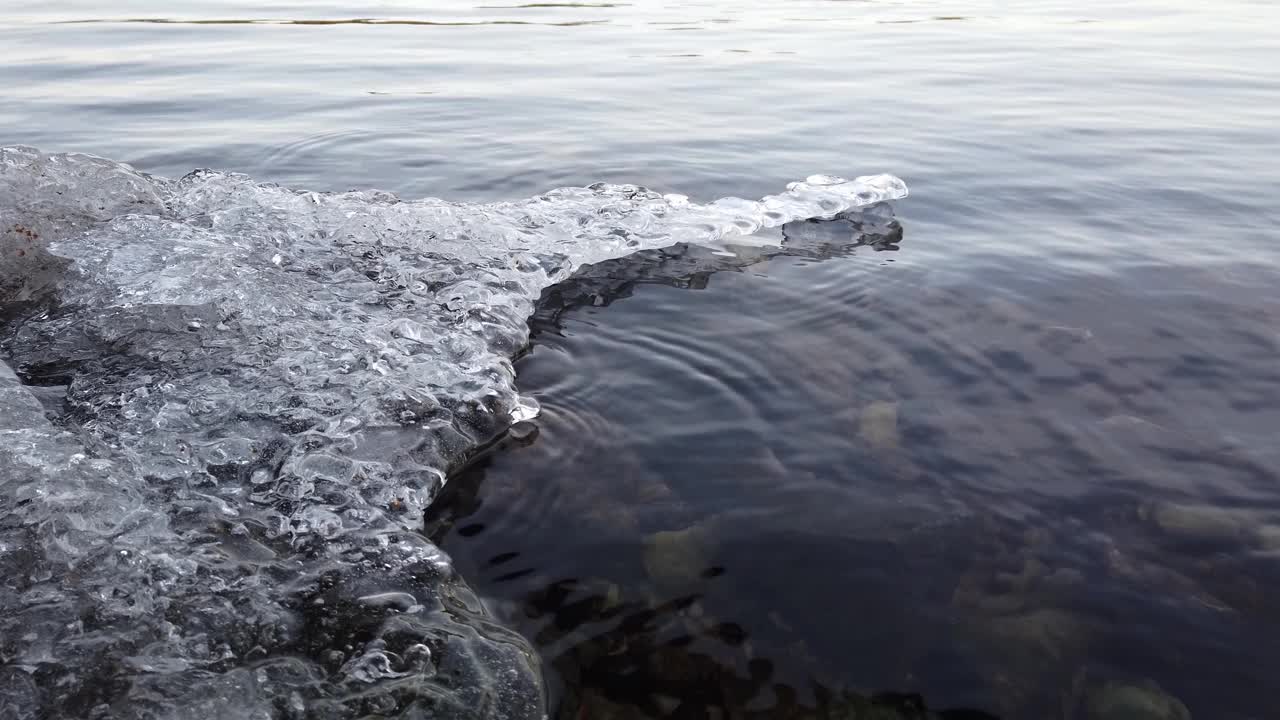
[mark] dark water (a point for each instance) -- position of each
(838, 467)
(1020, 461)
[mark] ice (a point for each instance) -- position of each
(264, 388)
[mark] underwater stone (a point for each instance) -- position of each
(1115, 701)
(1044, 633)
(878, 425)
(676, 559)
(1009, 311)
(1059, 339)
(1201, 523)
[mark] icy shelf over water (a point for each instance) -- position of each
(226, 405)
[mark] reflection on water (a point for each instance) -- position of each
(347, 21)
(868, 491)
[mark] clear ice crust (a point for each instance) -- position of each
(224, 406)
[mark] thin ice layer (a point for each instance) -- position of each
(272, 384)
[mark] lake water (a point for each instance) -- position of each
(1010, 453)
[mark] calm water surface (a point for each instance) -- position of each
(1014, 455)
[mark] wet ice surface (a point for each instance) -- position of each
(226, 405)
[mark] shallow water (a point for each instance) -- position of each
(1023, 464)
(926, 489)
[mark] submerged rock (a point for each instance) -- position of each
(1116, 701)
(677, 559)
(1008, 311)
(1045, 632)
(1064, 342)
(878, 425)
(1202, 524)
